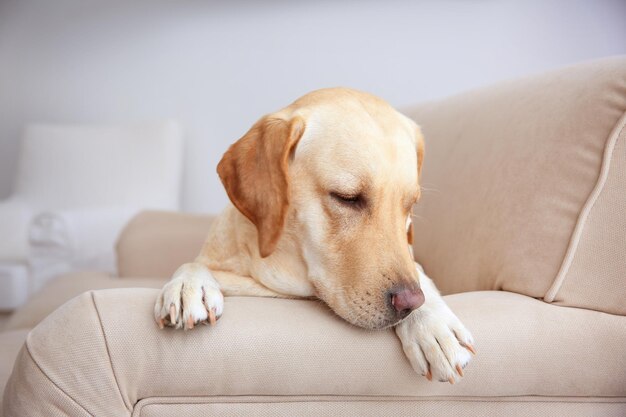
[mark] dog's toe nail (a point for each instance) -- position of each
(212, 318)
(459, 369)
(190, 323)
(172, 313)
(451, 381)
(429, 375)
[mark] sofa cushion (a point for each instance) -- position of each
(156, 243)
(528, 351)
(508, 173)
(374, 407)
(64, 288)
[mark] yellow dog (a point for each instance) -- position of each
(322, 192)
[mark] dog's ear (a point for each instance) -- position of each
(419, 139)
(254, 171)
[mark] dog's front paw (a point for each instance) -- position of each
(192, 296)
(436, 343)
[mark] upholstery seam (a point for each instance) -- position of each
(32, 357)
(150, 401)
(572, 248)
(106, 345)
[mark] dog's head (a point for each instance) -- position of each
(336, 171)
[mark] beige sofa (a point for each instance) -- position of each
(522, 219)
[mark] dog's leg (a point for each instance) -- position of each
(192, 296)
(195, 295)
(434, 339)
(236, 285)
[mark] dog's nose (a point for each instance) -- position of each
(404, 300)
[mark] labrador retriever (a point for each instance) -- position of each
(321, 194)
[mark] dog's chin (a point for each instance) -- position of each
(374, 325)
(379, 326)
(376, 322)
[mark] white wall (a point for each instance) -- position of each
(218, 66)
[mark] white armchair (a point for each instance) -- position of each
(76, 188)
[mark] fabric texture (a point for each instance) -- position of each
(156, 243)
(108, 338)
(593, 274)
(72, 357)
(10, 344)
(390, 406)
(508, 170)
(51, 401)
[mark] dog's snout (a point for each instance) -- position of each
(404, 300)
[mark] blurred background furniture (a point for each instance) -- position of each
(76, 188)
(522, 223)
(140, 60)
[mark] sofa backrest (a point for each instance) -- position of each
(155, 243)
(524, 188)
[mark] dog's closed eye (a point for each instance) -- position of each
(356, 201)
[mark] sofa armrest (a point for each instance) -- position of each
(155, 243)
(102, 354)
